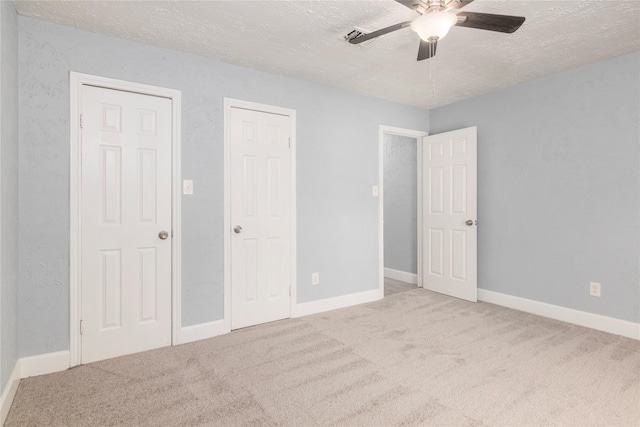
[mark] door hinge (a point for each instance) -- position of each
(81, 124)
(289, 142)
(81, 328)
(289, 290)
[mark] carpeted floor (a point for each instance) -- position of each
(392, 286)
(414, 358)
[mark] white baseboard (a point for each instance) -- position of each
(334, 303)
(403, 276)
(202, 331)
(29, 367)
(569, 315)
(9, 392)
(44, 364)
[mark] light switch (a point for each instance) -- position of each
(187, 186)
(374, 191)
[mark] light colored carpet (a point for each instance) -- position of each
(392, 286)
(414, 358)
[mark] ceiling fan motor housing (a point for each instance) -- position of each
(424, 6)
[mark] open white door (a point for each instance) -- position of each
(449, 212)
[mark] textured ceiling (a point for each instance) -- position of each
(304, 39)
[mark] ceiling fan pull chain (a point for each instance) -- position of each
(433, 84)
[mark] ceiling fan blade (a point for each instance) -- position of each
(380, 32)
(489, 21)
(427, 49)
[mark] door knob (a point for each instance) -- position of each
(469, 222)
(163, 235)
(237, 229)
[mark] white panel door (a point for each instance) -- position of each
(125, 207)
(449, 213)
(260, 217)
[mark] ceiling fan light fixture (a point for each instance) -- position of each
(434, 26)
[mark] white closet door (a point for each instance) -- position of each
(126, 223)
(260, 217)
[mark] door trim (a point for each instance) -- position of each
(230, 103)
(76, 81)
(418, 135)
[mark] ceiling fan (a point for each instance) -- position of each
(435, 20)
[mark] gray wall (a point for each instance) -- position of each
(559, 186)
(400, 182)
(336, 167)
(8, 191)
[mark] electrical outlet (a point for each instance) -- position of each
(315, 278)
(594, 289)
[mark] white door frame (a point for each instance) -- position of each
(236, 103)
(418, 135)
(77, 80)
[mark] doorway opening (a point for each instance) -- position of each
(446, 249)
(400, 195)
